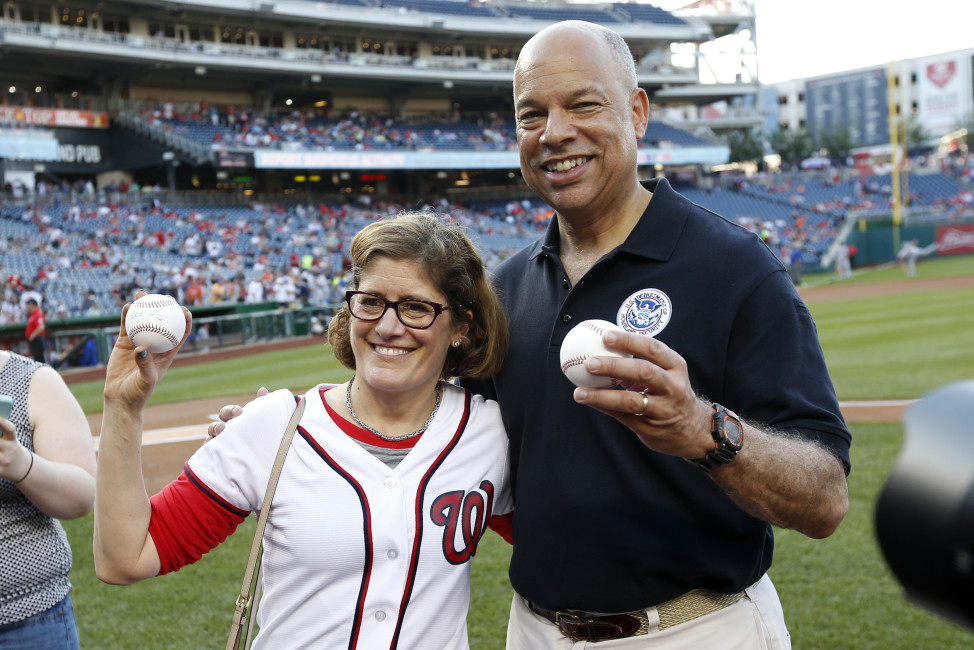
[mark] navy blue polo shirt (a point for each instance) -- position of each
(602, 523)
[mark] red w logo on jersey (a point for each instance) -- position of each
(467, 513)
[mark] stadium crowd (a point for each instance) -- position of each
(296, 254)
(82, 251)
(248, 127)
(850, 189)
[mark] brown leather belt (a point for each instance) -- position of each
(585, 626)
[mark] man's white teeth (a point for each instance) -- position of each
(565, 165)
(390, 351)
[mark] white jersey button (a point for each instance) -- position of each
(392, 554)
(390, 482)
(380, 615)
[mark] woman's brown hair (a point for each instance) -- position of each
(452, 263)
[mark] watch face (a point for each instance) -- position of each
(733, 431)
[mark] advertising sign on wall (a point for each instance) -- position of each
(82, 151)
(954, 240)
(62, 117)
(944, 92)
(24, 144)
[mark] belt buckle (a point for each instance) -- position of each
(563, 620)
(569, 625)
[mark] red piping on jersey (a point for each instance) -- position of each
(418, 513)
(213, 495)
(367, 534)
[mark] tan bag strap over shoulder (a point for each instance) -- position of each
(246, 601)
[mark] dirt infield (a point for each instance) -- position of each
(175, 431)
(857, 291)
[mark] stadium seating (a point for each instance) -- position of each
(106, 249)
(554, 14)
(451, 7)
(659, 133)
(646, 13)
(278, 131)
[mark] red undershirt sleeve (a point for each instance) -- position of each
(501, 524)
(189, 520)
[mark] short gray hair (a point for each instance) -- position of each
(623, 57)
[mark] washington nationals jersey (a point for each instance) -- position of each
(358, 555)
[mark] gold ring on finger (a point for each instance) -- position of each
(645, 406)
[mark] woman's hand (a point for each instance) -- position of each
(15, 459)
(133, 371)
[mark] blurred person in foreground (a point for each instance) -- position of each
(389, 483)
(47, 467)
(643, 516)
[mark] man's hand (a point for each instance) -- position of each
(778, 478)
(227, 413)
(659, 404)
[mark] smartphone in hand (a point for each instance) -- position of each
(6, 405)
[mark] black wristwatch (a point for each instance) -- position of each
(728, 436)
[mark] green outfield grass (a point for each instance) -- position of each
(837, 593)
(897, 347)
(297, 368)
(938, 267)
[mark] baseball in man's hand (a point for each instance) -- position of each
(584, 341)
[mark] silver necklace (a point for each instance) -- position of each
(348, 405)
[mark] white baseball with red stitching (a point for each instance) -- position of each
(584, 341)
(155, 321)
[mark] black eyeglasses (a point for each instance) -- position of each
(414, 313)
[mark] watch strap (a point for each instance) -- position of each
(720, 455)
(723, 451)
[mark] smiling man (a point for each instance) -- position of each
(643, 515)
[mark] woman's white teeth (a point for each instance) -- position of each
(565, 165)
(390, 351)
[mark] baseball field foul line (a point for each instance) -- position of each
(170, 435)
(877, 403)
(198, 431)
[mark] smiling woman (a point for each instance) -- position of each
(421, 248)
(400, 358)
(420, 310)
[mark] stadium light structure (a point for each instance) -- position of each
(925, 511)
(170, 162)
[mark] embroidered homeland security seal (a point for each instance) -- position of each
(645, 312)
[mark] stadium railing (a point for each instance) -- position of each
(223, 331)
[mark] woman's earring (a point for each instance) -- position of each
(456, 344)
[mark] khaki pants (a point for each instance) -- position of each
(756, 622)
